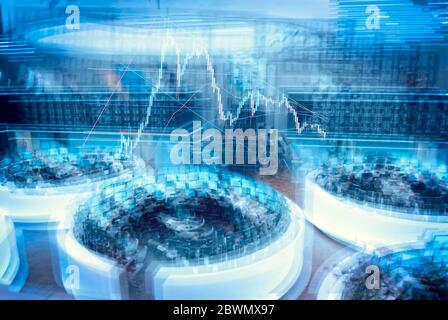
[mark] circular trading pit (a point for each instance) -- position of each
(377, 200)
(38, 186)
(193, 233)
(418, 273)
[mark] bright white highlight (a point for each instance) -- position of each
(9, 255)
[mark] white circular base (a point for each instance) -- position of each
(362, 225)
(266, 274)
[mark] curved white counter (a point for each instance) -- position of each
(9, 255)
(363, 225)
(46, 205)
(333, 284)
(265, 274)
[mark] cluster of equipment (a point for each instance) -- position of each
(410, 272)
(189, 232)
(200, 232)
(371, 201)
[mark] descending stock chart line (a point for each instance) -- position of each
(254, 98)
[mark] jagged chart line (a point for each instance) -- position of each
(255, 96)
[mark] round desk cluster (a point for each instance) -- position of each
(189, 218)
(397, 209)
(389, 184)
(406, 272)
(58, 167)
(186, 233)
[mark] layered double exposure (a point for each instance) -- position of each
(223, 150)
